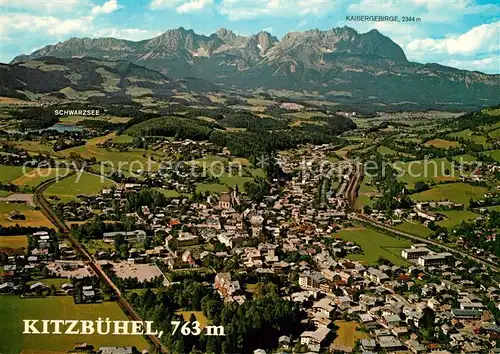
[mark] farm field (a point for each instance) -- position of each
(492, 111)
(363, 200)
(455, 217)
(495, 154)
(13, 242)
(442, 144)
(214, 164)
(169, 193)
(332, 158)
(410, 139)
(33, 217)
(217, 161)
(467, 134)
(70, 187)
(123, 139)
(348, 333)
(232, 181)
(10, 173)
(39, 175)
(464, 158)
(211, 161)
(259, 102)
(10, 100)
(14, 309)
(495, 134)
(131, 160)
(384, 150)
(8, 207)
(454, 192)
(306, 115)
(35, 146)
(107, 170)
(211, 187)
(345, 150)
(416, 228)
(366, 186)
(437, 170)
(374, 245)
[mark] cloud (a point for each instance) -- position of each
(106, 8)
(194, 5)
(181, 6)
(303, 23)
(487, 65)
(481, 39)
(44, 6)
(162, 4)
(131, 34)
(237, 10)
(52, 25)
(476, 49)
(430, 11)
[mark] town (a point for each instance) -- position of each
(291, 227)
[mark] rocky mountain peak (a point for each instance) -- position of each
(334, 60)
(225, 35)
(341, 40)
(265, 40)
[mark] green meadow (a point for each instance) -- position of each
(454, 192)
(455, 217)
(14, 309)
(433, 170)
(374, 245)
(86, 183)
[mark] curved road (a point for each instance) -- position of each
(351, 194)
(376, 224)
(47, 210)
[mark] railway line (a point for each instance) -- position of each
(351, 192)
(350, 195)
(379, 225)
(49, 212)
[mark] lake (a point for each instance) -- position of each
(60, 127)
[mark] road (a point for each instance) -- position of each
(49, 212)
(351, 194)
(376, 224)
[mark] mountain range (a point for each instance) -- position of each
(339, 64)
(81, 79)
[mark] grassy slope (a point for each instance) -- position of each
(14, 309)
(374, 245)
(455, 217)
(70, 187)
(455, 192)
(428, 171)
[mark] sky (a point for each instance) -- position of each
(459, 33)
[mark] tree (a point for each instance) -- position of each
(52, 290)
(420, 186)
(427, 319)
(4, 259)
(257, 189)
(124, 250)
(45, 272)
